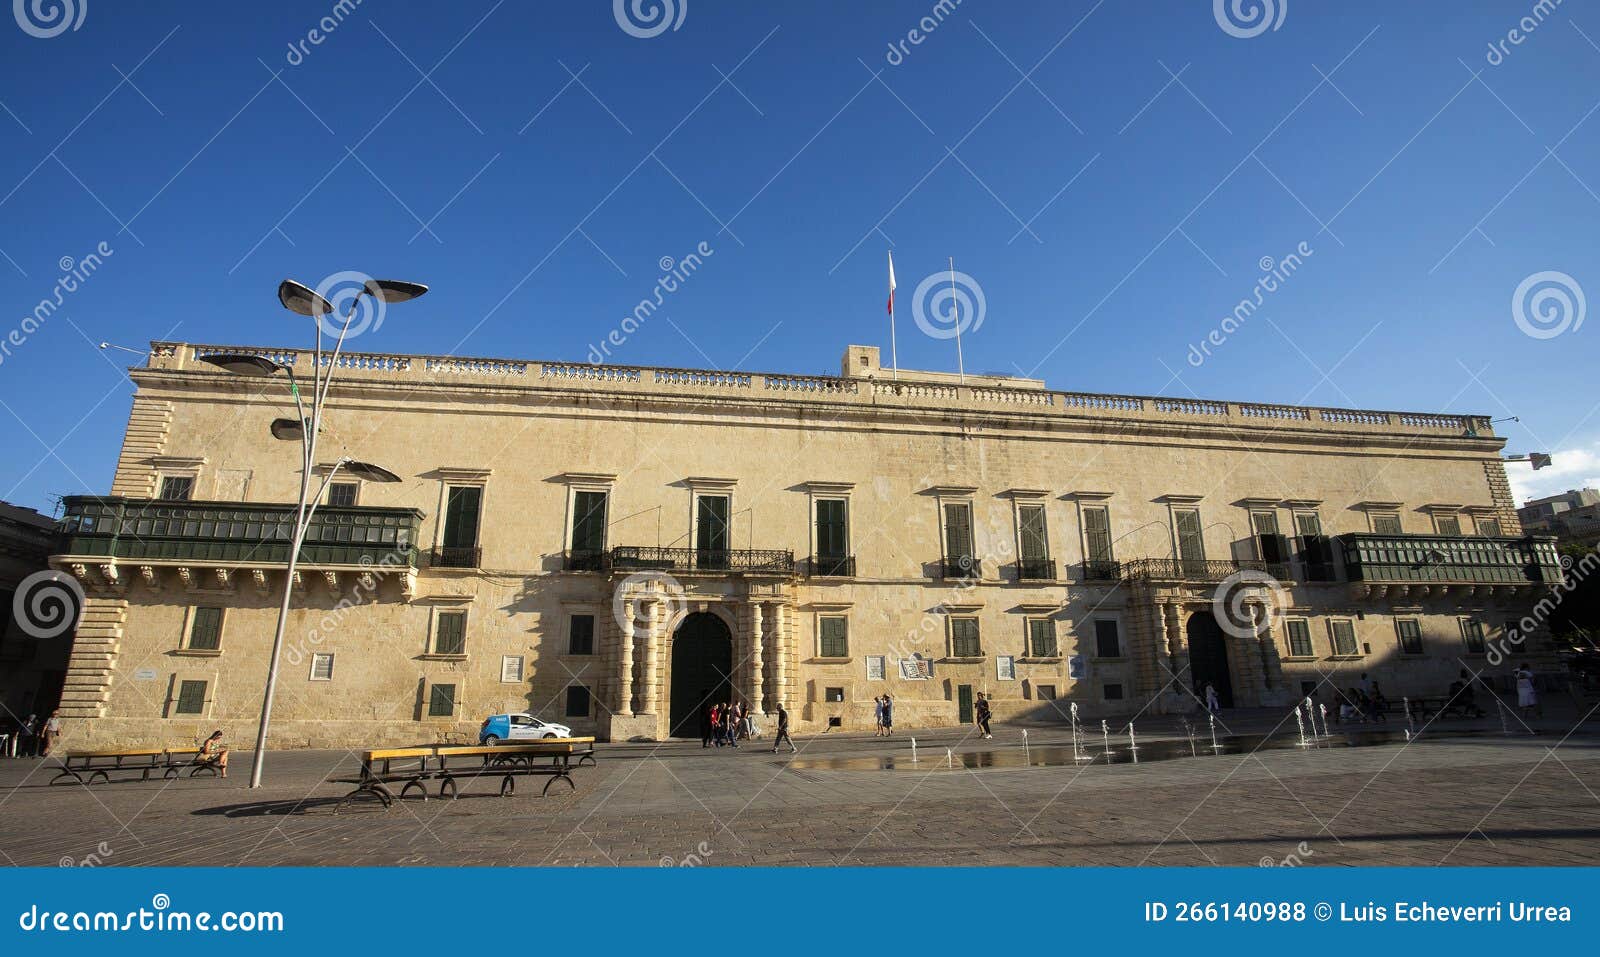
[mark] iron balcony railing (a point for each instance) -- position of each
(1449, 559)
(456, 556)
(1188, 570)
(585, 560)
(1036, 569)
(1102, 571)
(766, 561)
(833, 566)
(144, 529)
(964, 566)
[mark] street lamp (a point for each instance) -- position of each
(301, 299)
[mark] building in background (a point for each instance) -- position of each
(612, 547)
(33, 661)
(1572, 516)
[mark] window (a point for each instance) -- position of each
(1410, 635)
(1385, 523)
(833, 536)
(1097, 535)
(832, 633)
(1343, 631)
(205, 629)
(1042, 637)
(442, 701)
(1107, 643)
(1447, 524)
(1272, 547)
(711, 530)
(1489, 527)
(511, 669)
(1033, 545)
(964, 641)
(460, 542)
(589, 524)
(958, 538)
(1299, 632)
(191, 698)
(177, 487)
(1316, 551)
(1113, 692)
(1191, 540)
(321, 666)
(577, 701)
(580, 635)
(342, 493)
(450, 633)
(1472, 635)
(833, 695)
(1045, 692)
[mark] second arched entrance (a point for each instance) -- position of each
(1208, 658)
(702, 668)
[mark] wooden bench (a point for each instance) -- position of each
(507, 761)
(85, 767)
(379, 770)
(180, 758)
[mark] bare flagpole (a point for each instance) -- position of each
(894, 352)
(955, 306)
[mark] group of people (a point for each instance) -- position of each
(1364, 703)
(34, 738)
(726, 723)
(882, 716)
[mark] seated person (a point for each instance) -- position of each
(213, 754)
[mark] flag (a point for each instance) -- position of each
(891, 284)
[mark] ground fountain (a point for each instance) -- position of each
(1105, 735)
(1324, 709)
(1077, 750)
(949, 758)
(1300, 724)
(1188, 731)
(1410, 725)
(913, 750)
(1214, 745)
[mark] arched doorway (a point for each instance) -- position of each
(1208, 658)
(702, 666)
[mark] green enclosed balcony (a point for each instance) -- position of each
(1422, 561)
(169, 532)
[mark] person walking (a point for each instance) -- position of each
(730, 724)
(716, 724)
(1213, 704)
(888, 716)
(783, 731)
(877, 716)
(985, 712)
(705, 720)
(25, 736)
(52, 731)
(1527, 695)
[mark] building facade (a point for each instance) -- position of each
(610, 547)
(34, 646)
(1572, 516)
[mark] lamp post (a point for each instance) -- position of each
(298, 298)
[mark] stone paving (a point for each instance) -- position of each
(1485, 798)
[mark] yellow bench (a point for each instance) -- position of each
(378, 771)
(507, 761)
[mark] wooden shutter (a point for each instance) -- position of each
(831, 530)
(834, 642)
(205, 631)
(958, 531)
(1030, 521)
(1191, 543)
(1097, 533)
(712, 535)
(589, 522)
(581, 641)
(442, 701)
(461, 516)
(191, 697)
(450, 636)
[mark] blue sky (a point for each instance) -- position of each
(1110, 175)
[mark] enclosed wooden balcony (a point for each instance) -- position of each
(1424, 563)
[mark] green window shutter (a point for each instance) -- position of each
(1307, 524)
(582, 637)
(1410, 636)
(442, 701)
(1344, 638)
(191, 697)
(1097, 533)
(1449, 525)
(1472, 635)
(834, 641)
(589, 522)
(712, 535)
(1035, 546)
(461, 516)
(964, 641)
(177, 487)
(832, 540)
(1042, 637)
(958, 531)
(1299, 638)
(450, 633)
(1191, 540)
(205, 630)
(1386, 524)
(1107, 640)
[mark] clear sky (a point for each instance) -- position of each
(1110, 175)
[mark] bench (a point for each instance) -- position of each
(180, 758)
(379, 770)
(85, 767)
(507, 761)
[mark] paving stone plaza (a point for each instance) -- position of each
(1462, 793)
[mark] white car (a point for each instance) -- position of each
(518, 727)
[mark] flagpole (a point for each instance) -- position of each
(955, 306)
(894, 351)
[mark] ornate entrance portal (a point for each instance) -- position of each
(702, 667)
(1208, 658)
